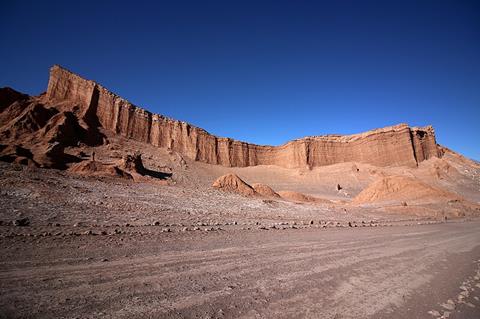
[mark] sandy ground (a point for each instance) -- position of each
(51, 197)
(382, 272)
(112, 248)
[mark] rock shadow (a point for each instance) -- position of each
(156, 174)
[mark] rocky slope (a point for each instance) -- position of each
(402, 188)
(78, 110)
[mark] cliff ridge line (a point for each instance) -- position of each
(398, 145)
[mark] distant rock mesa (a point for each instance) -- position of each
(94, 105)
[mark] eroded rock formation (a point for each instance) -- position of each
(391, 146)
(264, 190)
(96, 108)
(233, 183)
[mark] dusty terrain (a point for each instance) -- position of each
(108, 247)
(109, 211)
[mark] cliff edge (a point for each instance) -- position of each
(96, 106)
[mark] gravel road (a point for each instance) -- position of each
(423, 271)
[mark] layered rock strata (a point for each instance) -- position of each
(398, 145)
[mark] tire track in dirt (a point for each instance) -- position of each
(338, 274)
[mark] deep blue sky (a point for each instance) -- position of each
(264, 71)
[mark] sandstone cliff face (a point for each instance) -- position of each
(392, 146)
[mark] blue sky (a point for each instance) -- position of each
(264, 71)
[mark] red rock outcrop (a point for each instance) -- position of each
(96, 107)
(391, 146)
(9, 96)
(97, 168)
(130, 167)
(233, 183)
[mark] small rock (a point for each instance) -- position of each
(104, 259)
(448, 306)
(434, 313)
(21, 222)
(157, 223)
(166, 230)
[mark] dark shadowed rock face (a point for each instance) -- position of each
(95, 107)
(133, 162)
(8, 96)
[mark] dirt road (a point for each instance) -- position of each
(384, 272)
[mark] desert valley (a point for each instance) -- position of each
(110, 211)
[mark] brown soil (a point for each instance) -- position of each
(299, 197)
(401, 188)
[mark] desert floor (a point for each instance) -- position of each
(108, 248)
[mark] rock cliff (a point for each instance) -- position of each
(398, 145)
